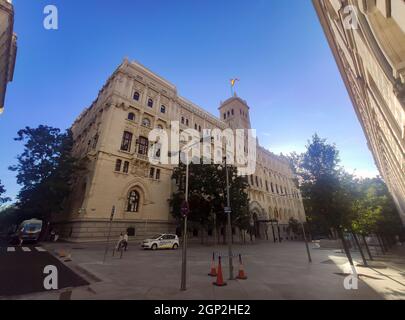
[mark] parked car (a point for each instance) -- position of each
(161, 241)
(28, 231)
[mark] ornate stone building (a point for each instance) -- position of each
(8, 48)
(367, 38)
(112, 137)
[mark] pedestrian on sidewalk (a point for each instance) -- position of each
(120, 242)
(125, 241)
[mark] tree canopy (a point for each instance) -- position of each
(335, 199)
(44, 170)
(207, 195)
(2, 198)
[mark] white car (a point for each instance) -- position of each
(161, 241)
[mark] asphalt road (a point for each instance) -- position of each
(22, 270)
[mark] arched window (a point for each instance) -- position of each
(232, 112)
(159, 126)
(133, 201)
(162, 109)
(136, 96)
(131, 116)
(150, 103)
(182, 120)
(146, 122)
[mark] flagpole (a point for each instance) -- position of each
(231, 89)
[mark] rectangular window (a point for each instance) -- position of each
(95, 141)
(126, 167)
(126, 141)
(157, 174)
(143, 146)
(257, 181)
(267, 186)
(152, 173)
(118, 164)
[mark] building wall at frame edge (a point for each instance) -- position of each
(8, 48)
(371, 60)
(88, 210)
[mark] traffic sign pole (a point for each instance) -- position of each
(109, 233)
(185, 211)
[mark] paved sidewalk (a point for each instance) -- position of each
(275, 271)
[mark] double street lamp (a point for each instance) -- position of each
(185, 211)
(303, 232)
(228, 211)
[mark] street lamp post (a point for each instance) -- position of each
(306, 242)
(184, 252)
(109, 233)
(228, 211)
(185, 212)
(305, 236)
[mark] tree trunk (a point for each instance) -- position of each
(367, 248)
(360, 249)
(345, 247)
(386, 242)
(380, 243)
(278, 232)
(274, 235)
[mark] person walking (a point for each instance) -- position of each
(120, 242)
(125, 241)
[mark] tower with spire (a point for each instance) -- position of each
(235, 113)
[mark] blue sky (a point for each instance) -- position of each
(276, 47)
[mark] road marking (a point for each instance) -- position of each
(26, 249)
(10, 249)
(40, 249)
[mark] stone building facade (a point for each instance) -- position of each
(367, 38)
(111, 136)
(8, 48)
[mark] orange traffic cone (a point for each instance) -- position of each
(241, 275)
(220, 280)
(213, 272)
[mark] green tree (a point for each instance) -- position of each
(328, 191)
(376, 211)
(44, 170)
(318, 178)
(2, 198)
(207, 196)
